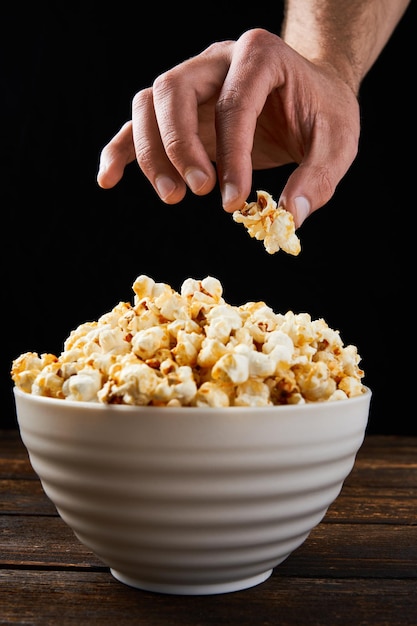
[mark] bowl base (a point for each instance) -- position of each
(192, 590)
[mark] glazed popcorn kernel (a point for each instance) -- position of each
(268, 223)
(194, 349)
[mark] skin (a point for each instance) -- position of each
(258, 103)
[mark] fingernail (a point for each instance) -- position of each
(165, 186)
(195, 179)
(302, 209)
(229, 194)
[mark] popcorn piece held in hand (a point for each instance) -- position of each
(271, 224)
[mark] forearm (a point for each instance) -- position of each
(348, 35)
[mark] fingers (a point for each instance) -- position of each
(114, 157)
(173, 126)
(242, 98)
(164, 147)
(309, 188)
(202, 111)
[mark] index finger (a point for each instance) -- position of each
(248, 83)
(172, 136)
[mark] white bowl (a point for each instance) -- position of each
(192, 500)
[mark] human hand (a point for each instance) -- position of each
(250, 104)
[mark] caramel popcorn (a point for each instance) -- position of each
(194, 349)
(268, 223)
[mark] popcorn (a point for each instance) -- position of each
(84, 385)
(271, 224)
(253, 393)
(232, 368)
(222, 321)
(213, 395)
(148, 341)
(27, 367)
(191, 348)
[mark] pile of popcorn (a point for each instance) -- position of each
(268, 223)
(193, 349)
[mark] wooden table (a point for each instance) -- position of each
(357, 567)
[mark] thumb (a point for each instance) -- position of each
(307, 189)
(314, 181)
(118, 153)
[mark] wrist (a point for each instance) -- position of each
(345, 36)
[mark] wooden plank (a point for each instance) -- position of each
(378, 445)
(376, 451)
(383, 479)
(41, 541)
(355, 504)
(402, 448)
(51, 598)
(354, 549)
(11, 444)
(24, 497)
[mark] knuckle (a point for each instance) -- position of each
(324, 182)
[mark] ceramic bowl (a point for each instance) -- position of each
(192, 500)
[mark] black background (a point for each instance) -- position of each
(71, 251)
